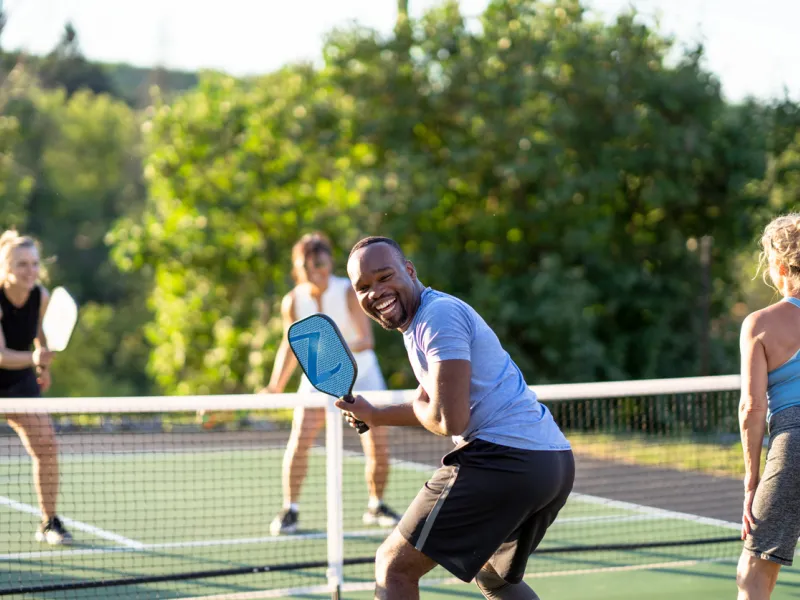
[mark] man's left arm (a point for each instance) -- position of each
(446, 341)
(444, 409)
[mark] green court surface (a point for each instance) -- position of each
(710, 581)
(194, 509)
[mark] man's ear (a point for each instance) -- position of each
(411, 270)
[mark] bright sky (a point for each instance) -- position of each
(752, 45)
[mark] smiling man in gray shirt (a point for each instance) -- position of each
(490, 503)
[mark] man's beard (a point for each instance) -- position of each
(393, 324)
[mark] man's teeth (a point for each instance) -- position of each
(383, 305)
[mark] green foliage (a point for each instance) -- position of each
(236, 172)
(106, 355)
(15, 180)
(555, 172)
(78, 157)
(781, 185)
(133, 84)
(66, 68)
(596, 202)
(89, 174)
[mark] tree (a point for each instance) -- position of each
(66, 67)
(70, 169)
(557, 173)
(236, 172)
(15, 180)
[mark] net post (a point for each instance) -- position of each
(334, 451)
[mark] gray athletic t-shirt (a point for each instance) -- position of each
(503, 410)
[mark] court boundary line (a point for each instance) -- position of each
(77, 525)
(144, 547)
(380, 533)
(366, 586)
(129, 545)
(655, 511)
(590, 499)
(122, 454)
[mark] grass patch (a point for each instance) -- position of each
(682, 454)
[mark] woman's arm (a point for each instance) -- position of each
(752, 410)
(285, 361)
(15, 360)
(753, 401)
(366, 340)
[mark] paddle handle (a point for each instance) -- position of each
(361, 427)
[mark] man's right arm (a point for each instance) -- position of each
(400, 415)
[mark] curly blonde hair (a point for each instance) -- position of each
(9, 241)
(780, 243)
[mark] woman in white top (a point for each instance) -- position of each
(317, 290)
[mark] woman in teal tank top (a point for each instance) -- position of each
(770, 359)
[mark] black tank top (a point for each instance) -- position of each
(20, 326)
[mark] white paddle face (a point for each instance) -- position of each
(59, 319)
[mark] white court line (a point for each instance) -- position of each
(142, 547)
(367, 586)
(149, 454)
(560, 522)
(655, 512)
(645, 513)
(589, 499)
(365, 533)
(77, 525)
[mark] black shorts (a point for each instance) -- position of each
(488, 503)
(25, 387)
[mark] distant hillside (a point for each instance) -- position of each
(133, 83)
(127, 82)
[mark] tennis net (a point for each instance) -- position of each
(174, 496)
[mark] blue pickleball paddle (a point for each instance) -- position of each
(325, 358)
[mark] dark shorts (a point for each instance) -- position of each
(776, 505)
(488, 503)
(25, 387)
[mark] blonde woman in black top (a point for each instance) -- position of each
(24, 362)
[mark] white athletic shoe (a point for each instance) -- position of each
(53, 532)
(285, 523)
(382, 516)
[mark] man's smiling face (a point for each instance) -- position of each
(385, 285)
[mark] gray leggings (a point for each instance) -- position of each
(776, 506)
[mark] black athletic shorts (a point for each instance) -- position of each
(488, 503)
(25, 387)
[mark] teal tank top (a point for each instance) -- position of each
(783, 383)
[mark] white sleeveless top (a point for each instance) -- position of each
(334, 304)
